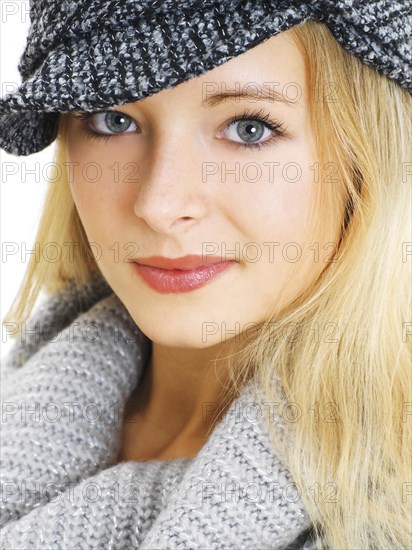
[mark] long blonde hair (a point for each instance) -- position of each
(345, 362)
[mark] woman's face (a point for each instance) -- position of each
(174, 175)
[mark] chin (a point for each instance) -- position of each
(170, 337)
(184, 323)
(175, 329)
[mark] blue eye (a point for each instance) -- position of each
(116, 122)
(248, 128)
(108, 122)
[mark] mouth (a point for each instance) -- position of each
(175, 275)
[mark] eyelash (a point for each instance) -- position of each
(257, 116)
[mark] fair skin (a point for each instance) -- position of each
(170, 209)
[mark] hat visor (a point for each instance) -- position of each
(111, 68)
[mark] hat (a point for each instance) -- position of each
(89, 55)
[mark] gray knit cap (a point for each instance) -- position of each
(91, 54)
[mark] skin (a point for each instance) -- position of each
(171, 211)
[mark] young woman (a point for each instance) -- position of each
(224, 357)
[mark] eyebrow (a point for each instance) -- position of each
(220, 97)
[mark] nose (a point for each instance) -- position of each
(169, 194)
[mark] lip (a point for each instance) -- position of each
(175, 275)
(191, 261)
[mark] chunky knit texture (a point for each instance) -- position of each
(99, 53)
(64, 389)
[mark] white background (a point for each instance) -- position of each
(23, 186)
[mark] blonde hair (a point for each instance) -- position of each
(349, 450)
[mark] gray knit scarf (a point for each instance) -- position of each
(64, 389)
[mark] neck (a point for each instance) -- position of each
(185, 390)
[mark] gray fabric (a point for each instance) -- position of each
(97, 53)
(61, 485)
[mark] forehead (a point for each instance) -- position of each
(278, 56)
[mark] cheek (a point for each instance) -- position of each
(273, 199)
(80, 160)
(285, 208)
(97, 184)
(274, 216)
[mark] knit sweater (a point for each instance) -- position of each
(65, 384)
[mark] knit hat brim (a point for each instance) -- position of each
(90, 69)
(103, 70)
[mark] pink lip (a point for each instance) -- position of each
(168, 275)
